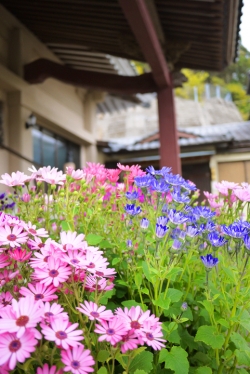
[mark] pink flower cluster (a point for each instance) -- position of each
(129, 327)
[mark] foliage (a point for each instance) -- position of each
(180, 283)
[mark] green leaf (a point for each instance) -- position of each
(208, 306)
(146, 271)
(93, 239)
(244, 320)
(239, 342)
(138, 279)
(243, 358)
(129, 303)
(172, 274)
(115, 261)
(242, 371)
(143, 362)
(174, 294)
(105, 244)
(103, 355)
(208, 335)
(145, 290)
(66, 226)
(162, 301)
(140, 372)
(27, 363)
(102, 370)
(175, 360)
(203, 370)
(223, 322)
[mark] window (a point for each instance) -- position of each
(52, 149)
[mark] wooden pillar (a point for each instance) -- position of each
(169, 147)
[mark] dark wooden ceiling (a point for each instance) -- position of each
(196, 32)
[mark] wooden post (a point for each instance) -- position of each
(169, 147)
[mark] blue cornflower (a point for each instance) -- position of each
(174, 180)
(132, 195)
(188, 185)
(177, 217)
(129, 243)
(215, 239)
(203, 212)
(162, 220)
(144, 223)
(176, 246)
(144, 181)
(132, 210)
(247, 242)
(159, 186)
(151, 170)
(180, 197)
(209, 261)
(210, 226)
(160, 231)
(235, 230)
(175, 233)
(191, 232)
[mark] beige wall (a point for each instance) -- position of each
(63, 109)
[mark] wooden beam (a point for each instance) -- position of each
(41, 69)
(139, 19)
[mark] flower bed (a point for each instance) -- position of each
(134, 277)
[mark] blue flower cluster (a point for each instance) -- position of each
(5, 203)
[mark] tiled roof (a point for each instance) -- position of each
(231, 132)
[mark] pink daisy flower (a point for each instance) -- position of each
(62, 333)
(39, 291)
(77, 360)
(4, 261)
(48, 370)
(57, 272)
(12, 237)
(94, 262)
(70, 240)
(5, 299)
(14, 349)
(52, 311)
(73, 257)
(111, 331)
(31, 229)
(129, 341)
(91, 310)
(97, 283)
(20, 255)
(7, 275)
(134, 318)
(76, 174)
(4, 369)
(35, 244)
(153, 336)
(15, 179)
(23, 314)
(52, 176)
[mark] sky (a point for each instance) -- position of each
(245, 25)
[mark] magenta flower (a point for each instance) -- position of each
(73, 257)
(98, 283)
(24, 314)
(7, 275)
(111, 331)
(14, 349)
(77, 360)
(4, 261)
(15, 179)
(134, 318)
(52, 311)
(91, 310)
(57, 272)
(62, 333)
(5, 299)
(94, 262)
(39, 291)
(129, 341)
(20, 255)
(13, 237)
(47, 370)
(70, 240)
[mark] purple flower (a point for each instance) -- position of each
(162, 220)
(159, 186)
(160, 231)
(235, 230)
(144, 181)
(132, 210)
(129, 243)
(215, 239)
(192, 231)
(209, 261)
(132, 195)
(180, 198)
(174, 180)
(151, 170)
(247, 242)
(177, 217)
(203, 212)
(184, 306)
(176, 245)
(144, 223)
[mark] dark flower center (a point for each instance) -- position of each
(22, 321)
(46, 259)
(75, 364)
(99, 273)
(149, 336)
(32, 231)
(41, 245)
(15, 345)
(53, 273)
(135, 325)
(95, 314)
(91, 265)
(48, 314)
(74, 261)
(110, 331)
(39, 296)
(61, 335)
(11, 237)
